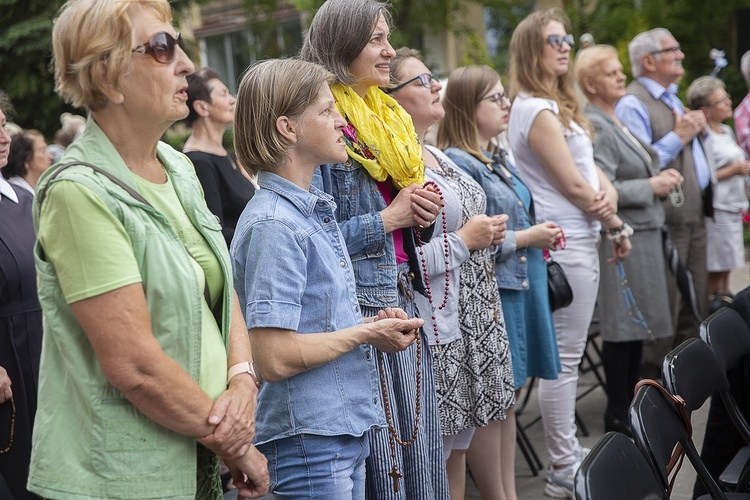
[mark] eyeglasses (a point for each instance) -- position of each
(556, 41)
(726, 98)
(673, 50)
(497, 98)
(161, 46)
(426, 80)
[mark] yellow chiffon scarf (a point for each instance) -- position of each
(385, 129)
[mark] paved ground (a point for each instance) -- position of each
(591, 408)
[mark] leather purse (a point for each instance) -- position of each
(558, 286)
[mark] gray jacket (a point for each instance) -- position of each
(627, 168)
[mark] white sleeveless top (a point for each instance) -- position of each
(549, 203)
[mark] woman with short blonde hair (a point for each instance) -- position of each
(144, 351)
(633, 168)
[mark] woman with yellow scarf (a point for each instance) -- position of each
(384, 212)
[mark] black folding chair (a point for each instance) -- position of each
(657, 429)
(616, 470)
(728, 335)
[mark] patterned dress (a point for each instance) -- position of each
(474, 374)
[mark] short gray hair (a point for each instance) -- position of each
(699, 92)
(645, 43)
(339, 32)
(745, 67)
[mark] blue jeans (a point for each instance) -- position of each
(307, 466)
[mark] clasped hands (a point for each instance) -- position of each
(392, 330)
(233, 414)
(413, 205)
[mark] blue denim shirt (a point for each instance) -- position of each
(292, 271)
(358, 203)
(511, 269)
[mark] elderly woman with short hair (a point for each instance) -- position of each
(28, 159)
(633, 167)
(135, 283)
(725, 245)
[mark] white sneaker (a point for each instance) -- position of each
(560, 481)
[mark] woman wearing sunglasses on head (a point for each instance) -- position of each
(147, 374)
(476, 111)
(551, 142)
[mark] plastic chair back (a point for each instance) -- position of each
(728, 335)
(692, 371)
(616, 470)
(657, 429)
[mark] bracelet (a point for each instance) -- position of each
(620, 233)
(244, 367)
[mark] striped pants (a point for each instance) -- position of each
(422, 463)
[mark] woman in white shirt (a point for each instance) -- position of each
(552, 144)
(726, 249)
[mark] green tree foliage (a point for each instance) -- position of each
(25, 61)
(697, 25)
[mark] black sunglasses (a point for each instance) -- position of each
(426, 80)
(161, 47)
(556, 41)
(497, 98)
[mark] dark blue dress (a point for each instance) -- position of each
(20, 338)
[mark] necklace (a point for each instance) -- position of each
(423, 262)
(12, 426)
(490, 272)
(676, 197)
(393, 437)
(636, 316)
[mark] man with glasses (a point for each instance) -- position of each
(653, 112)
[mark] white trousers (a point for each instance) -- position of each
(557, 398)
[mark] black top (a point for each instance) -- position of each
(20, 337)
(226, 189)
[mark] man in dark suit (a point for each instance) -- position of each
(653, 112)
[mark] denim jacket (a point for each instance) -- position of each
(292, 272)
(511, 269)
(358, 205)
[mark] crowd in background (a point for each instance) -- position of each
(346, 303)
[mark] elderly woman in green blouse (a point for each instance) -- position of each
(147, 374)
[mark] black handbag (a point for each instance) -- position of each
(558, 287)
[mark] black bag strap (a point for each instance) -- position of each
(678, 455)
(132, 192)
